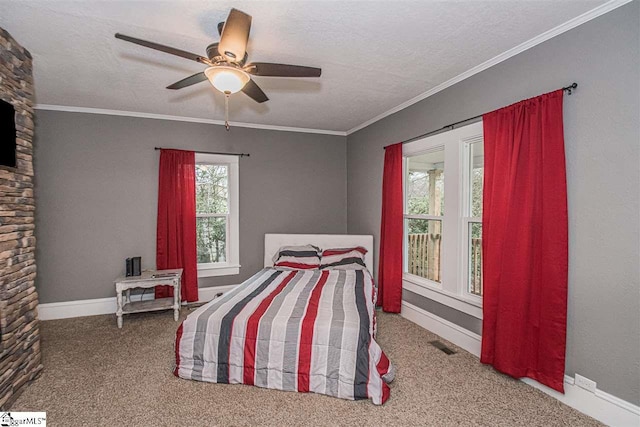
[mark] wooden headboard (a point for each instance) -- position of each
(273, 242)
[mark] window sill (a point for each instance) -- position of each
(218, 270)
(455, 301)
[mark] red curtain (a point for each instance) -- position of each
(391, 232)
(524, 240)
(176, 228)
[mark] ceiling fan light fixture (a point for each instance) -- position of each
(227, 79)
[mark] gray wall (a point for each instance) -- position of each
(602, 140)
(96, 193)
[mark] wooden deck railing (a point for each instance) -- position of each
(424, 255)
(424, 259)
(475, 272)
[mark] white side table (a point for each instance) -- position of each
(148, 279)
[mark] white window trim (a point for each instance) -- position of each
(232, 265)
(452, 291)
(465, 220)
(455, 301)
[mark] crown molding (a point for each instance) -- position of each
(108, 112)
(556, 31)
(547, 35)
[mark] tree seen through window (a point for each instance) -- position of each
(212, 210)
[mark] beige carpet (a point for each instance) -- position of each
(98, 375)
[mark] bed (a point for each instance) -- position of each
(292, 330)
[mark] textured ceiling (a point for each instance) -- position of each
(374, 55)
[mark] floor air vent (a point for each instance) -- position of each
(437, 344)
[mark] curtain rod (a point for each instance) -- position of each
(569, 89)
(209, 152)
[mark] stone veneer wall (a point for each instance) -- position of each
(19, 331)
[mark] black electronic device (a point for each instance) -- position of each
(7, 134)
(129, 269)
(136, 266)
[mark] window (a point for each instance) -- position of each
(424, 212)
(472, 189)
(443, 244)
(217, 231)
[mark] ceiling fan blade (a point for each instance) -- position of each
(281, 70)
(188, 81)
(254, 91)
(163, 48)
(235, 35)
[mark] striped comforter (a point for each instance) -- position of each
(289, 330)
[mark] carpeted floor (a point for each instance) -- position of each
(98, 375)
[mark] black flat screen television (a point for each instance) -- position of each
(7, 134)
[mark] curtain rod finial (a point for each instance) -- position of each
(570, 88)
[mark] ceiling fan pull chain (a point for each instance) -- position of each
(226, 111)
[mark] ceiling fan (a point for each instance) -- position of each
(228, 70)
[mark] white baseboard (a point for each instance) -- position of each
(94, 307)
(450, 331)
(600, 405)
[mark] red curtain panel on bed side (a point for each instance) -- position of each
(176, 228)
(390, 263)
(524, 243)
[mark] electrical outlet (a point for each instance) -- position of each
(585, 383)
